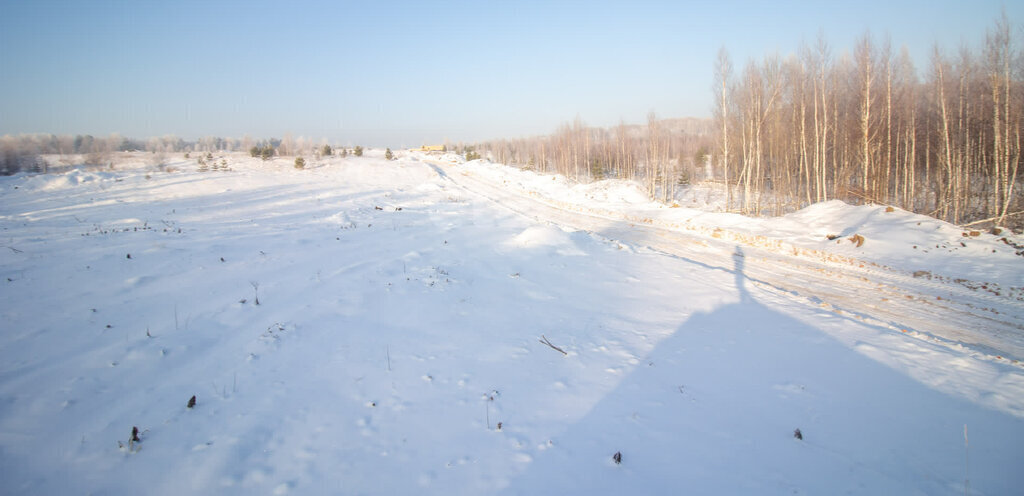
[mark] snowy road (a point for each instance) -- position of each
(950, 314)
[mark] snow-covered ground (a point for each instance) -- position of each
(397, 344)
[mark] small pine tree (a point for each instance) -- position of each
(357, 151)
(596, 171)
(326, 151)
(388, 155)
(344, 152)
(267, 152)
(300, 163)
(253, 152)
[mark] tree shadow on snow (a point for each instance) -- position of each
(713, 409)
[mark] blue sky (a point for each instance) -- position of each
(407, 73)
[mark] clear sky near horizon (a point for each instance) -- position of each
(383, 73)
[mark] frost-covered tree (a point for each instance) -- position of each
(287, 146)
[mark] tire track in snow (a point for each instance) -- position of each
(946, 314)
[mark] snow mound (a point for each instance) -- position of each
(53, 182)
(547, 237)
(898, 238)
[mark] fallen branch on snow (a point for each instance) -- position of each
(992, 219)
(545, 341)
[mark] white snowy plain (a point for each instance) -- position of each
(397, 344)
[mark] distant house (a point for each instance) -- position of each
(432, 148)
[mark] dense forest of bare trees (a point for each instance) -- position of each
(869, 125)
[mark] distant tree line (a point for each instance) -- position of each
(662, 155)
(26, 151)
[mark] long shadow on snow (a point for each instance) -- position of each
(713, 409)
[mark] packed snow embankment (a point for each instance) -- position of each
(832, 231)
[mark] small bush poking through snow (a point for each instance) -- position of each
(799, 435)
(300, 163)
(132, 441)
(191, 401)
(617, 457)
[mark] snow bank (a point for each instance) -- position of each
(72, 178)
(831, 231)
(547, 237)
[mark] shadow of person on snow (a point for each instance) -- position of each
(713, 407)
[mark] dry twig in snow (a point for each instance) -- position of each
(545, 341)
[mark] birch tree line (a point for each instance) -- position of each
(869, 125)
(662, 155)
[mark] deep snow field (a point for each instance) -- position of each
(396, 347)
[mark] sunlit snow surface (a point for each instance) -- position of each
(399, 322)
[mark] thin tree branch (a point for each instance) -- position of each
(545, 341)
(990, 219)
